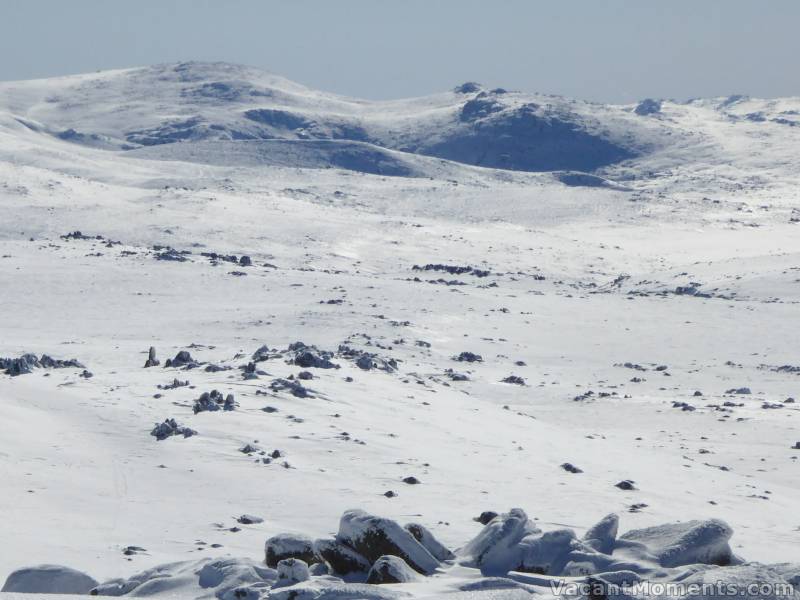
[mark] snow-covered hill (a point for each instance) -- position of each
(623, 273)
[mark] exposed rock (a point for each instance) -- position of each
(485, 517)
(249, 520)
(289, 545)
(26, 363)
(648, 106)
(456, 376)
(373, 537)
(453, 269)
(152, 360)
(294, 387)
(570, 468)
(626, 484)
(310, 357)
(342, 559)
(176, 383)
(741, 390)
(213, 401)
(261, 354)
(182, 360)
(170, 427)
(468, 357)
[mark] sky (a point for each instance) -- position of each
(600, 50)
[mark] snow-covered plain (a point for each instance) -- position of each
(335, 201)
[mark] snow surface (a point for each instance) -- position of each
(701, 196)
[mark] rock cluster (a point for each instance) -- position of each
(26, 363)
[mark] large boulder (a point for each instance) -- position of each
(289, 545)
(391, 569)
(496, 550)
(678, 544)
(342, 559)
(374, 537)
(48, 579)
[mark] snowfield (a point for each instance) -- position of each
(424, 310)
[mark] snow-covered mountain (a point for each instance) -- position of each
(502, 300)
(135, 109)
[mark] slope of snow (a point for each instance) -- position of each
(581, 280)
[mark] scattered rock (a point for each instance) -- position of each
(294, 387)
(741, 390)
(309, 357)
(249, 520)
(152, 360)
(570, 468)
(170, 427)
(182, 360)
(176, 383)
(469, 357)
(213, 401)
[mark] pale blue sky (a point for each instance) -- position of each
(605, 50)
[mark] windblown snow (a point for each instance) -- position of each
(260, 341)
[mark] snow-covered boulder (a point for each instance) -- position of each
(546, 554)
(373, 537)
(431, 544)
(289, 545)
(602, 535)
(496, 549)
(292, 571)
(342, 559)
(391, 569)
(677, 544)
(48, 579)
(227, 579)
